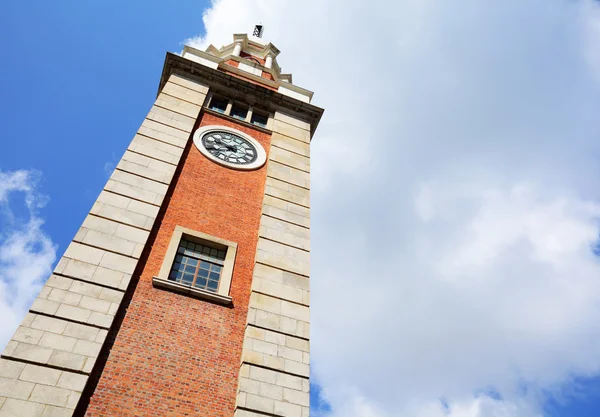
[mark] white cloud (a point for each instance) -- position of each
(455, 198)
(26, 252)
(109, 166)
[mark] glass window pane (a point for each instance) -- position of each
(195, 264)
(239, 112)
(200, 283)
(218, 104)
(259, 119)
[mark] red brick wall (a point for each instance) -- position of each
(267, 75)
(250, 56)
(175, 355)
(232, 63)
(247, 79)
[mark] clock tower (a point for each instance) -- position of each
(186, 289)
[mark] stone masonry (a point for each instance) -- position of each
(274, 373)
(46, 364)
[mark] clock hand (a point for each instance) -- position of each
(229, 146)
(220, 141)
(224, 149)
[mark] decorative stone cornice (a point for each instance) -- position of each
(235, 87)
(261, 51)
(251, 45)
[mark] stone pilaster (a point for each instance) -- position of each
(274, 372)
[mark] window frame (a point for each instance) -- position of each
(222, 294)
(214, 264)
(237, 103)
(259, 113)
(221, 99)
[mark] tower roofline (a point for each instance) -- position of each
(214, 60)
(253, 56)
(254, 93)
(266, 46)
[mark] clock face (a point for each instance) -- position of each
(229, 147)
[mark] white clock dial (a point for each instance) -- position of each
(230, 147)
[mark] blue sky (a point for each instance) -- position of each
(83, 76)
(504, 93)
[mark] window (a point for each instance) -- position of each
(218, 104)
(199, 265)
(259, 119)
(239, 112)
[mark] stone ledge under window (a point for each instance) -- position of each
(194, 292)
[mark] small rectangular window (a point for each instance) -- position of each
(259, 119)
(218, 104)
(198, 266)
(239, 112)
